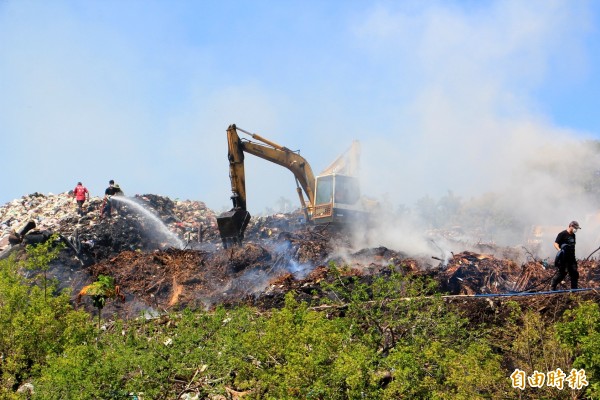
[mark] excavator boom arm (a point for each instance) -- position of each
(235, 154)
(233, 223)
(288, 159)
(271, 152)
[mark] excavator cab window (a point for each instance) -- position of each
(324, 191)
(346, 190)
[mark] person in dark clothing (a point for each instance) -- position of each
(111, 190)
(565, 258)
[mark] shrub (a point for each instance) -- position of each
(34, 325)
(580, 331)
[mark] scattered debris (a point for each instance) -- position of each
(280, 253)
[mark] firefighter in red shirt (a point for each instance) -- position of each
(81, 194)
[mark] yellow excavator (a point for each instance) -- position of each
(333, 197)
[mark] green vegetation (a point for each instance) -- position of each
(580, 330)
(103, 289)
(34, 325)
(39, 257)
(389, 338)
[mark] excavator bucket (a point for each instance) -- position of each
(232, 225)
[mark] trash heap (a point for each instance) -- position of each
(469, 273)
(48, 212)
(193, 221)
(104, 237)
(280, 253)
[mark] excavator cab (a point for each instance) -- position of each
(337, 200)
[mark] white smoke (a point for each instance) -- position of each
(473, 130)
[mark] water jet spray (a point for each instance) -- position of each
(155, 225)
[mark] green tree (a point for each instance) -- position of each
(39, 257)
(580, 331)
(102, 289)
(34, 324)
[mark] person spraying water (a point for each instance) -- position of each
(107, 205)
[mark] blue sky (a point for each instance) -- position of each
(448, 95)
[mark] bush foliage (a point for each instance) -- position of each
(389, 338)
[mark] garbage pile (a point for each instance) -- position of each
(181, 261)
(469, 273)
(261, 274)
(104, 237)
